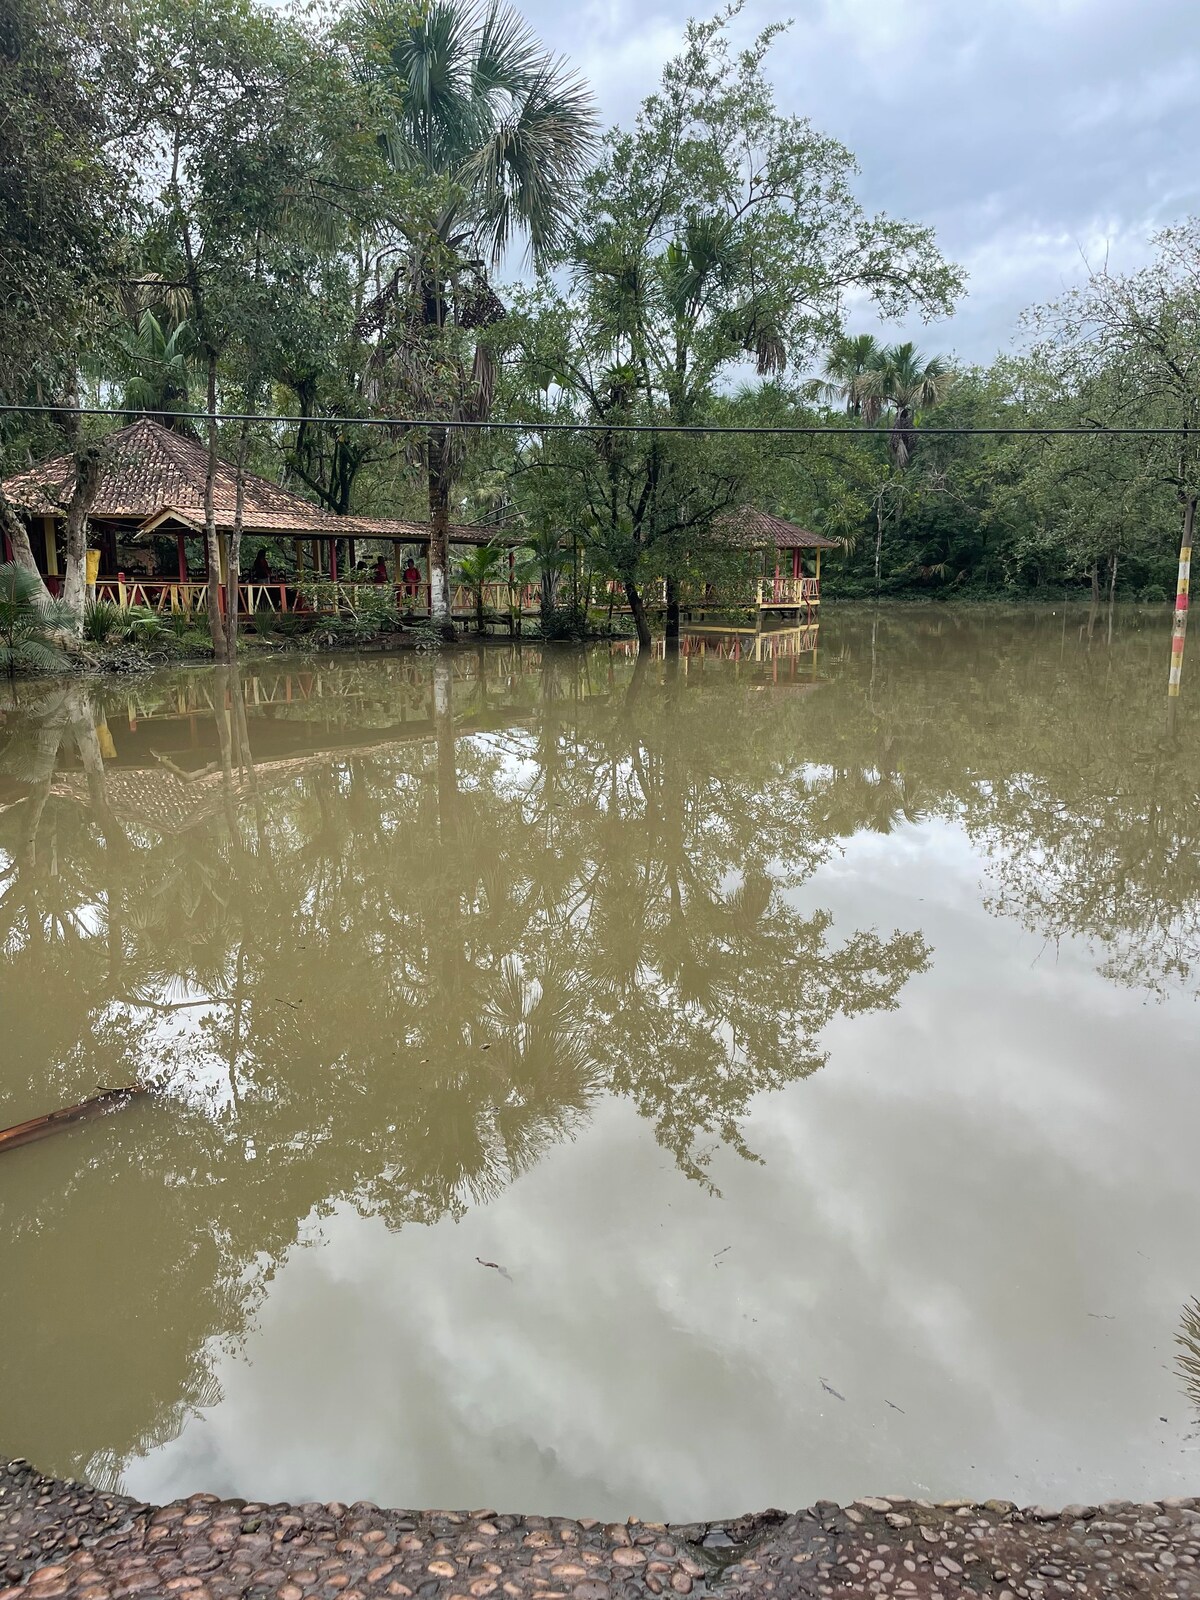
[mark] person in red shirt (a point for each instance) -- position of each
(412, 578)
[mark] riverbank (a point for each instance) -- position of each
(63, 1539)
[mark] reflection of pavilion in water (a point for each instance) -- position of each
(174, 755)
(791, 653)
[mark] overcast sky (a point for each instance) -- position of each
(1027, 132)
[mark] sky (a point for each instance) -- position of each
(1031, 134)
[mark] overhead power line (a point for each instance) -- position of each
(800, 430)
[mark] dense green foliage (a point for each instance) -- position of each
(223, 205)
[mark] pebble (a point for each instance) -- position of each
(64, 1540)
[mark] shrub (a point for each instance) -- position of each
(1153, 595)
(101, 620)
(29, 625)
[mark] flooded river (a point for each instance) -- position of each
(599, 1087)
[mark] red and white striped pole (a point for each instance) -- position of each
(1179, 631)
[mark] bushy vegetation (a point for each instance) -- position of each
(30, 629)
(327, 241)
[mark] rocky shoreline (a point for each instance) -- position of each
(64, 1539)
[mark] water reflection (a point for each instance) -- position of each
(390, 933)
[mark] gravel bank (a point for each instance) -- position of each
(63, 1539)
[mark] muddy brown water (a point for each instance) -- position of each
(600, 1088)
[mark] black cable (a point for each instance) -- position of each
(816, 430)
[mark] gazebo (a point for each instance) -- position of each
(153, 484)
(748, 528)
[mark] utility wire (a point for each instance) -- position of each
(799, 431)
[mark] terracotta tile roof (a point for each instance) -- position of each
(155, 475)
(751, 529)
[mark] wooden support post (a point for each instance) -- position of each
(298, 552)
(796, 565)
(181, 556)
(51, 547)
(333, 570)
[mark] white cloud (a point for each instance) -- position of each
(1022, 131)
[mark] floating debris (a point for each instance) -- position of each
(496, 1267)
(39, 1127)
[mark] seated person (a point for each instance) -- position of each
(260, 572)
(380, 572)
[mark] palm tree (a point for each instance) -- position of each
(498, 132)
(161, 360)
(846, 363)
(901, 381)
(30, 625)
(477, 569)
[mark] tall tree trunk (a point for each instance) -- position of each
(212, 548)
(640, 620)
(878, 537)
(439, 533)
(1179, 630)
(672, 614)
(235, 544)
(1094, 607)
(89, 464)
(18, 537)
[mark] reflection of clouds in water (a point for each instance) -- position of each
(962, 1219)
(970, 1225)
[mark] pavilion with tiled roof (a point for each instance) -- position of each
(153, 482)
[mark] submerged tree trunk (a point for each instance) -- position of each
(640, 620)
(212, 546)
(672, 614)
(439, 533)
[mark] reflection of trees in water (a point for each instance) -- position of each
(392, 971)
(391, 976)
(1050, 754)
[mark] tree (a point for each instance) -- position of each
(1141, 331)
(259, 136)
(497, 133)
(480, 566)
(715, 232)
(899, 382)
(159, 357)
(63, 73)
(847, 362)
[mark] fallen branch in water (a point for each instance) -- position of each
(97, 1105)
